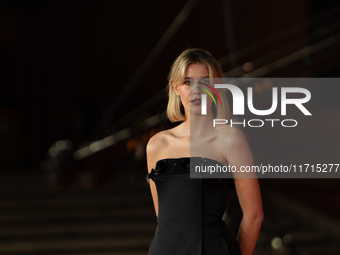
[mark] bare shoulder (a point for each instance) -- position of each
(158, 140)
(156, 147)
(235, 146)
(159, 146)
(232, 136)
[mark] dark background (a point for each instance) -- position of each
(85, 70)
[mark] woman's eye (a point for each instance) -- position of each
(187, 82)
(206, 82)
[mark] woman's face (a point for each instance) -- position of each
(189, 93)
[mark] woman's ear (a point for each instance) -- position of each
(175, 85)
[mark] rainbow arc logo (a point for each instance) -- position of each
(209, 93)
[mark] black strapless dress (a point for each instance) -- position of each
(190, 211)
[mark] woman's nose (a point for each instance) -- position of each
(195, 88)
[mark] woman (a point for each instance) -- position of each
(189, 211)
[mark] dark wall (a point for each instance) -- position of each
(64, 63)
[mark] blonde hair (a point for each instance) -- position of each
(175, 111)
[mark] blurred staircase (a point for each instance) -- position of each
(36, 219)
(119, 219)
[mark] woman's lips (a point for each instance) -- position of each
(196, 101)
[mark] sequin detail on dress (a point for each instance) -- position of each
(171, 166)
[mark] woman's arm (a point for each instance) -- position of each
(248, 192)
(151, 155)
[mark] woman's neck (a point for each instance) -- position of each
(198, 125)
